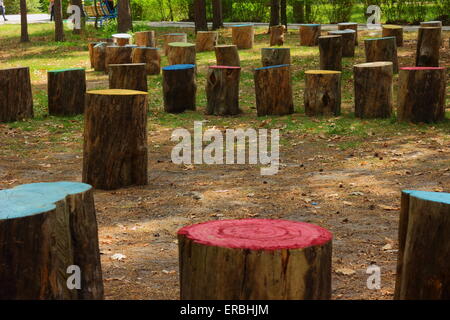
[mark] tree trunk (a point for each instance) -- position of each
(99, 56)
(222, 90)
(124, 22)
(349, 26)
(275, 56)
(274, 12)
(330, 48)
(421, 94)
(428, 44)
(309, 34)
(59, 27)
(322, 93)
(206, 40)
(45, 229)
(348, 41)
(243, 36)
(91, 46)
(298, 8)
(277, 35)
(424, 247)
(179, 88)
(172, 37)
(15, 94)
(227, 55)
(117, 55)
(255, 259)
(66, 90)
(283, 14)
(115, 138)
(181, 53)
(149, 56)
(131, 76)
(145, 39)
(23, 22)
(273, 89)
(373, 89)
(382, 49)
(217, 14)
(434, 24)
(394, 31)
(200, 15)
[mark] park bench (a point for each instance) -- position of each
(99, 12)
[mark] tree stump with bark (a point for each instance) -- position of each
(390, 30)
(115, 138)
(15, 94)
(91, 46)
(275, 56)
(255, 259)
(131, 76)
(181, 53)
(421, 94)
(437, 24)
(428, 45)
(149, 56)
(243, 35)
(373, 89)
(179, 88)
(227, 55)
(423, 262)
(330, 48)
(273, 89)
(206, 40)
(45, 230)
(172, 37)
(277, 35)
(117, 55)
(222, 90)
(66, 89)
(121, 39)
(145, 39)
(349, 26)
(322, 93)
(382, 49)
(348, 40)
(99, 56)
(309, 34)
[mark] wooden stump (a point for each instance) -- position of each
(181, 53)
(99, 56)
(277, 35)
(373, 89)
(117, 55)
(227, 55)
(179, 88)
(423, 262)
(255, 259)
(330, 48)
(206, 40)
(115, 138)
(121, 39)
(222, 90)
(349, 26)
(273, 90)
(149, 56)
(131, 76)
(172, 37)
(348, 40)
(382, 49)
(66, 89)
(322, 93)
(15, 94)
(243, 36)
(309, 34)
(44, 229)
(421, 94)
(91, 46)
(433, 24)
(428, 44)
(145, 39)
(393, 31)
(275, 56)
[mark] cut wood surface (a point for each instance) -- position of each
(322, 92)
(348, 40)
(275, 56)
(15, 94)
(243, 35)
(349, 26)
(206, 40)
(117, 55)
(222, 90)
(330, 48)
(131, 76)
(149, 56)
(277, 35)
(145, 39)
(172, 37)
(390, 30)
(309, 34)
(227, 55)
(179, 88)
(65, 91)
(382, 49)
(428, 45)
(181, 53)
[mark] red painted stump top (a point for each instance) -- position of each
(257, 234)
(224, 67)
(422, 68)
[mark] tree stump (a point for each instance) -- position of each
(131, 76)
(348, 40)
(255, 259)
(423, 246)
(382, 49)
(44, 229)
(428, 45)
(330, 48)
(275, 56)
(66, 89)
(222, 90)
(273, 90)
(349, 26)
(277, 35)
(433, 24)
(117, 55)
(172, 37)
(121, 39)
(243, 36)
(15, 94)
(99, 56)
(206, 40)
(179, 88)
(91, 46)
(421, 94)
(322, 93)
(181, 53)
(309, 34)
(149, 56)
(115, 138)
(393, 31)
(227, 55)
(145, 39)
(373, 89)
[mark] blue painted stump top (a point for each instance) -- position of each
(242, 25)
(310, 25)
(64, 70)
(176, 34)
(179, 67)
(342, 31)
(35, 198)
(382, 38)
(440, 197)
(275, 66)
(347, 23)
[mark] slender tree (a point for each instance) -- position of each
(124, 22)
(283, 12)
(23, 22)
(59, 27)
(217, 14)
(200, 15)
(298, 8)
(274, 12)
